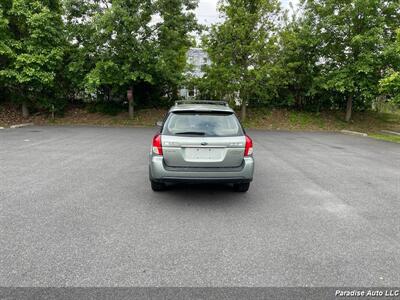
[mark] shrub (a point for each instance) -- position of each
(107, 108)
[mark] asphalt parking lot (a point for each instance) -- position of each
(76, 209)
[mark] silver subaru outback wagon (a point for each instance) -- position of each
(198, 142)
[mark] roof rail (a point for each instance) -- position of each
(215, 102)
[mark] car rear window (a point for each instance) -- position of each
(208, 124)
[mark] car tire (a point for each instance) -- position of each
(241, 187)
(157, 186)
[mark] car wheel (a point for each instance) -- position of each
(241, 187)
(157, 186)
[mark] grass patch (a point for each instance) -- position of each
(386, 137)
(142, 118)
(106, 108)
(305, 120)
(281, 119)
(257, 118)
(371, 122)
(389, 118)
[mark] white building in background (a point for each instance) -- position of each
(197, 59)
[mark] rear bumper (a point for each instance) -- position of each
(159, 172)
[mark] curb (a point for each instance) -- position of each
(391, 132)
(21, 125)
(353, 132)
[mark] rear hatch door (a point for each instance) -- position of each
(203, 139)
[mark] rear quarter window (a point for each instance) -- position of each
(209, 124)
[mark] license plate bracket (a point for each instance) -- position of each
(203, 153)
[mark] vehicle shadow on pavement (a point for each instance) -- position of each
(203, 188)
(203, 194)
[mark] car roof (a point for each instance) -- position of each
(219, 106)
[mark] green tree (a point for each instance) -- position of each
(5, 50)
(124, 47)
(174, 30)
(34, 51)
(238, 45)
(294, 68)
(82, 51)
(352, 36)
(390, 85)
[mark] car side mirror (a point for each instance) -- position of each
(159, 123)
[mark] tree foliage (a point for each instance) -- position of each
(329, 54)
(325, 54)
(295, 68)
(390, 85)
(32, 50)
(352, 38)
(177, 20)
(237, 47)
(93, 49)
(129, 44)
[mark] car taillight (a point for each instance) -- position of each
(157, 147)
(248, 150)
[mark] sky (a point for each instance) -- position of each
(207, 10)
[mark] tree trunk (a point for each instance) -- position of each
(243, 112)
(130, 102)
(131, 112)
(349, 108)
(175, 93)
(25, 110)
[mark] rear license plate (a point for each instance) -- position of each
(203, 153)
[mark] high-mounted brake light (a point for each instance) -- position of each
(157, 147)
(248, 150)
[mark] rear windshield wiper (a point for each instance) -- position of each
(191, 133)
